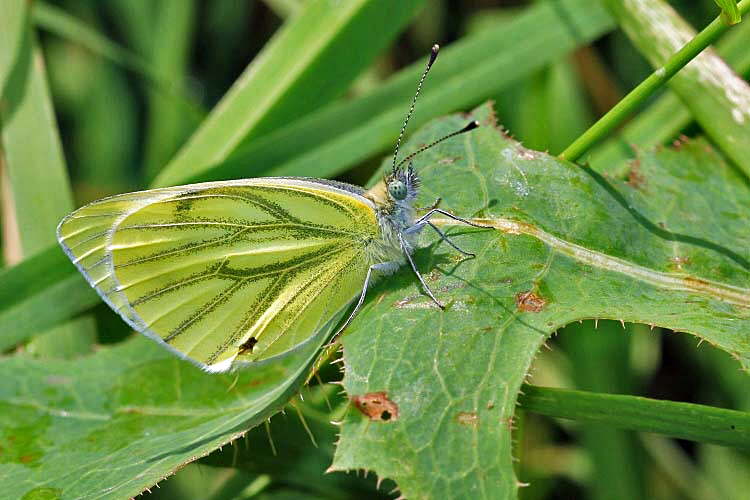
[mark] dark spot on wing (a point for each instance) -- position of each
(248, 346)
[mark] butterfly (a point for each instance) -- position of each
(230, 273)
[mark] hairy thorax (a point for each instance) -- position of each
(394, 218)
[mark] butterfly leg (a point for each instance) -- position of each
(445, 238)
(431, 207)
(422, 221)
(383, 266)
(434, 211)
(416, 271)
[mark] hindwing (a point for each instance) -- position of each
(225, 272)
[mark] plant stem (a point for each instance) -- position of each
(695, 422)
(647, 87)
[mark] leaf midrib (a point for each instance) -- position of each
(678, 282)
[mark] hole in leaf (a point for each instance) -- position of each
(376, 406)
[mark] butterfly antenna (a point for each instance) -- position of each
(470, 126)
(433, 56)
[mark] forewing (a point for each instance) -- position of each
(219, 270)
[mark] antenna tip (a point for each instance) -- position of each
(470, 126)
(433, 54)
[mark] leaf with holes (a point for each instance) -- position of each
(668, 246)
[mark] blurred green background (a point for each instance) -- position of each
(168, 62)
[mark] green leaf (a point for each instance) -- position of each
(35, 180)
(33, 157)
(718, 99)
(469, 71)
(666, 250)
(12, 37)
(40, 293)
(729, 11)
(552, 109)
(311, 60)
(113, 424)
(284, 8)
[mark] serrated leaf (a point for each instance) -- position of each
(113, 424)
(671, 249)
(296, 448)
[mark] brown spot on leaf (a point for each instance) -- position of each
(448, 160)
(433, 276)
(469, 418)
(376, 406)
(689, 280)
(635, 177)
(530, 302)
(248, 346)
(678, 262)
(680, 141)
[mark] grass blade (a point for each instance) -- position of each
(469, 71)
(36, 188)
(55, 20)
(309, 62)
(30, 287)
(618, 470)
(167, 127)
(706, 424)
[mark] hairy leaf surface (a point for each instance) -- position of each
(114, 424)
(666, 247)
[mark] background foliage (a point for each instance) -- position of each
(105, 97)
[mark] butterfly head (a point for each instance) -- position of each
(402, 185)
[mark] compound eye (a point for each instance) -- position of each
(397, 189)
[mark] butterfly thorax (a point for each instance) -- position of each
(394, 198)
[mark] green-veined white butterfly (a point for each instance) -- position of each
(234, 272)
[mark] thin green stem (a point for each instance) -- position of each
(694, 422)
(647, 87)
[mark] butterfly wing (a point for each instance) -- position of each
(226, 272)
